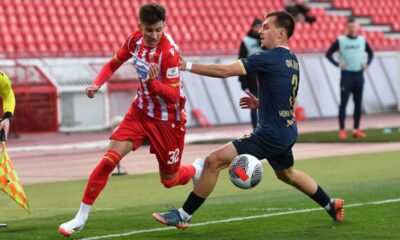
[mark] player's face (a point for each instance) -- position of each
(352, 28)
(269, 34)
(152, 33)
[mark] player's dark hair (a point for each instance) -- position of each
(151, 13)
(283, 20)
(350, 19)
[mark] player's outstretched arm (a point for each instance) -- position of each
(214, 70)
(105, 73)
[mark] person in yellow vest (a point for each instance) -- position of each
(7, 95)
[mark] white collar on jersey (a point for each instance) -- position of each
(282, 46)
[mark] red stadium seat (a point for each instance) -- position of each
(74, 28)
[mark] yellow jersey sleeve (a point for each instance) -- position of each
(6, 94)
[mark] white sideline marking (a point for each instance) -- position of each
(238, 219)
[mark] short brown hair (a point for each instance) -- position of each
(283, 20)
(350, 19)
(151, 13)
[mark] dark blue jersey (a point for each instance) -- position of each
(278, 81)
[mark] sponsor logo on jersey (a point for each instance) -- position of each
(172, 72)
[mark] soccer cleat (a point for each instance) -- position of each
(198, 164)
(172, 218)
(342, 134)
(359, 134)
(336, 210)
(69, 228)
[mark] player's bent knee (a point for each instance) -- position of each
(212, 163)
(284, 177)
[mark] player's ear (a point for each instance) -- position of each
(282, 33)
(140, 26)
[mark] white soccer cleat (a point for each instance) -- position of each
(198, 164)
(69, 228)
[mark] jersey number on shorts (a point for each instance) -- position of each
(174, 156)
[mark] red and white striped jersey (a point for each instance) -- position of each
(166, 55)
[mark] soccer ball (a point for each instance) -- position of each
(245, 171)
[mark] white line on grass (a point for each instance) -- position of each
(238, 219)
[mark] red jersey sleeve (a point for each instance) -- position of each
(170, 67)
(121, 56)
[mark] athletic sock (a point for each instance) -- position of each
(99, 176)
(184, 215)
(193, 202)
(186, 173)
(321, 198)
(328, 206)
(83, 212)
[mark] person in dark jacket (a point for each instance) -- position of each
(250, 45)
(300, 11)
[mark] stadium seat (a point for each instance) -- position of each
(200, 27)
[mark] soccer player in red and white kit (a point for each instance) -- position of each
(156, 114)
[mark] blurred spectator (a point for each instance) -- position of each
(351, 48)
(250, 45)
(300, 11)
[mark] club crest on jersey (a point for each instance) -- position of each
(172, 51)
(172, 72)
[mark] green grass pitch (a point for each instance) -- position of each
(366, 182)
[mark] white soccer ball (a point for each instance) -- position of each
(245, 171)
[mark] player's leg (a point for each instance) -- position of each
(167, 143)
(357, 97)
(99, 176)
(96, 183)
(306, 184)
(214, 163)
(345, 90)
(121, 143)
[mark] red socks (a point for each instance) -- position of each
(184, 175)
(99, 176)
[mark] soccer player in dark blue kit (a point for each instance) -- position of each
(278, 78)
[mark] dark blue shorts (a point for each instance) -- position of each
(263, 145)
